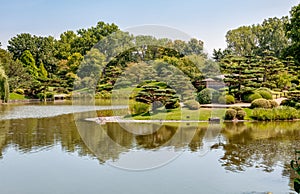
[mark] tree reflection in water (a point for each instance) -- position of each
(259, 145)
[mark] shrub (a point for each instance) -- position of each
(207, 96)
(260, 103)
(222, 100)
(297, 105)
(253, 97)
(261, 114)
(273, 103)
(240, 114)
(230, 114)
(20, 91)
(172, 104)
(229, 99)
(192, 104)
(278, 113)
(139, 108)
(42, 96)
(245, 96)
(103, 95)
(265, 94)
(237, 108)
(288, 102)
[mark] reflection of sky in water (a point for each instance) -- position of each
(31, 111)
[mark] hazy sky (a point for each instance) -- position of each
(208, 20)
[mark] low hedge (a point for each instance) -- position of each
(278, 113)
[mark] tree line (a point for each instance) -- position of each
(261, 55)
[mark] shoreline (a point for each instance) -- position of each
(119, 119)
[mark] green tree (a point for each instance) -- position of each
(41, 48)
(87, 38)
(158, 94)
(271, 36)
(292, 32)
(16, 73)
(241, 73)
(42, 71)
(29, 63)
(242, 40)
(256, 39)
(4, 87)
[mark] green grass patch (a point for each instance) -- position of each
(15, 96)
(180, 114)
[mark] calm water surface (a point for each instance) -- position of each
(43, 150)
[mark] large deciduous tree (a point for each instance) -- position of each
(256, 39)
(16, 73)
(293, 32)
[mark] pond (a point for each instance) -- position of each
(51, 149)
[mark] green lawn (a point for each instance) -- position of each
(15, 96)
(181, 114)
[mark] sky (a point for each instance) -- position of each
(207, 20)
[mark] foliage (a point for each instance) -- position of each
(192, 104)
(260, 103)
(296, 167)
(253, 97)
(292, 32)
(230, 114)
(4, 87)
(208, 96)
(139, 108)
(46, 95)
(229, 99)
(240, 115)
(20, 91)
(255, 39)
(16, 96)
(273, 103)
(265, 94)
(16, 73)
(278, 113)
(158, 94)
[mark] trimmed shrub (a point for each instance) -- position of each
(229, 99)
(207, 96)
(237, 108)
(230, 114)
(192, 104)
(265, 94)
(273, 103)
(139, 108)
(260, 103)
(240, 114)
(20, 91)
(253, 97)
